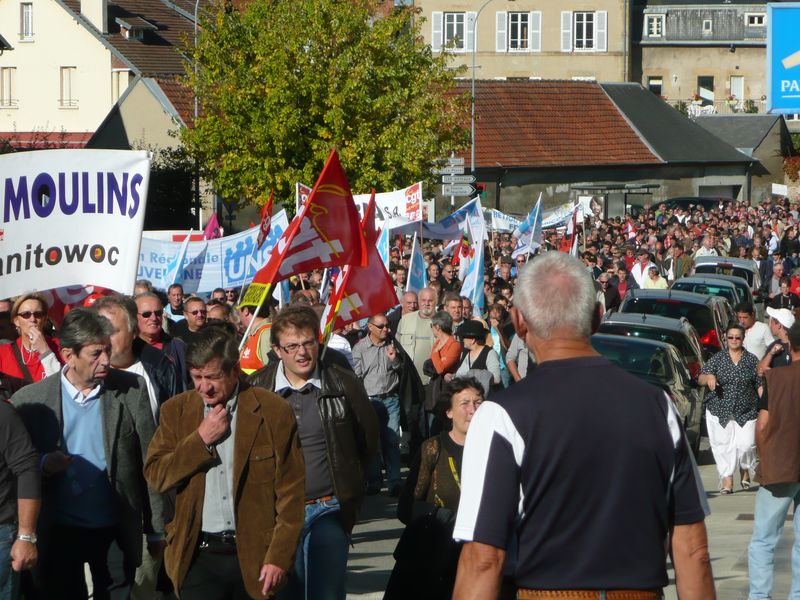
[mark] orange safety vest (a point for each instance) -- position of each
(249, 362)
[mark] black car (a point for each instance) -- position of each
(660, 364)
(710, 315)
(710, 286)
(678, 332)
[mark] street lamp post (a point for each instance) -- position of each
(474, 48)
(196, 174)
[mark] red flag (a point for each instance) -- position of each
(266, 220)
(325, 234)
(569, 243)
(360, 291)
(212, 230)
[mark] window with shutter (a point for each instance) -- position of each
(26, 21)
(566, 31)
(519, 28)
(584, 32)
(601, 34)
(500, 31)
(67, 98)
(454, 30)
(7, 77)
(472, 32)
(536, 31)
(436, 31)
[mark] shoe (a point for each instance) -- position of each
(725, 491)
(746, 484)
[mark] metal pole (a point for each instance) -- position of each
(194, 123)
(474, 48)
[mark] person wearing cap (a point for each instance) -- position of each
(478, 360)
(641, 267)
(778, 354)
(733, 380)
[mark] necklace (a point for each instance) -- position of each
(30, 353)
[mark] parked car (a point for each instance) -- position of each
(738, 267)
(678, 332)
(710, 286)
(660, 364)
(710, 315)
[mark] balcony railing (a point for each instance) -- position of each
(719, 107)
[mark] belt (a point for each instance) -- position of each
(383, 396)
(223, 542)
(318, 500)
(524, 594)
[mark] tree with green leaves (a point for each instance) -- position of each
(281, 82)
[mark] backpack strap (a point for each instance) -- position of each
(26, 374)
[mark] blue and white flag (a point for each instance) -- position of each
(383, 246)
(529, 232)
(417, 275)
(175, 266)
(472, 287)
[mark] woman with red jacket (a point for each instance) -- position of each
(33, 356)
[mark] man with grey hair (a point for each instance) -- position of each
(91, 426)
(522, 475)
(414, 330)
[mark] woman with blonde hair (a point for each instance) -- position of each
(34, 355)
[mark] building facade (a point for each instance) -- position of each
(532, 39)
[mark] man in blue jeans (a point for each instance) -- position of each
(339, 436)
(20, 498)
(377, 364)
(778, 472)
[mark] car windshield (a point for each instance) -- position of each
(723, 269)
(636, 358)
(708, 290)
(699, 315)
(675, 338)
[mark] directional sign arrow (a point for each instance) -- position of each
(458, 190)
(458, 178)
(450, 171)
(456, 161)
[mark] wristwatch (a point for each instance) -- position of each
(28, 537)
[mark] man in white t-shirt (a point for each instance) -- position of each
(757, 334)
(641, 267)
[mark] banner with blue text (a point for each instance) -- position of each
(225, 262)
(71, 217)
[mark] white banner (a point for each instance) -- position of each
(398, 207)
(71, 217)
(500, 221)
(224, 262)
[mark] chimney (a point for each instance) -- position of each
(96, 12)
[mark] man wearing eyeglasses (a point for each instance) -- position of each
(450, 283)
(149, 319)
(195, 313)
(339, 436)
(377, 363)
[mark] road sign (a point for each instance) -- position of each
(450, 171)
(456, 161)
(783, 58)
(458, 190)
(458, 178)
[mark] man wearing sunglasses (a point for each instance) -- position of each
(339, 436)
(195, 316)
(151, 331)
(377, 363)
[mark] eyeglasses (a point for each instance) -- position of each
(734, 337)
(198, 312)
(294, 348)
(381, 326)
(149, 313)
(39, 314)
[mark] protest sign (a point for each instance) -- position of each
(71, 217)
(225, 262)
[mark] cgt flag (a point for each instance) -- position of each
(327, 233)
(360, 292)
(266, 220)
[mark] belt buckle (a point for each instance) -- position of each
(228, 537)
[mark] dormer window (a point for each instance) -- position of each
(134, 28)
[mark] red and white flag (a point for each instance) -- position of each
(569, 243)
(360, 291)
(327, 233)
(266, 220)
(630, 229)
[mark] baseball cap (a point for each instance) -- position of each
(782, 315)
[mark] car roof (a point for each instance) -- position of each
(670, 294)
(732, 278)
(654, 321)
(632, 340)
(711, 278)
(739, 263)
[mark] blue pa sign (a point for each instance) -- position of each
(783, 58)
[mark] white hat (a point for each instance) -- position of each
(782, 315)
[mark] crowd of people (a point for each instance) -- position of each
(144, 443)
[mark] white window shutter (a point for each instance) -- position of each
(471, 31)
(535, 32)
(566, 31)
(437, 19)
(501, 20)
(601, 32)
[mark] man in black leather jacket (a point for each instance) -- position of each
(339, 435)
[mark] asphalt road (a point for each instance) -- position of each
(730, 526)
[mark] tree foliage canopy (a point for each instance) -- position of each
(283, 81)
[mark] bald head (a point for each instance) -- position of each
(427, 302)
(409, 303)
